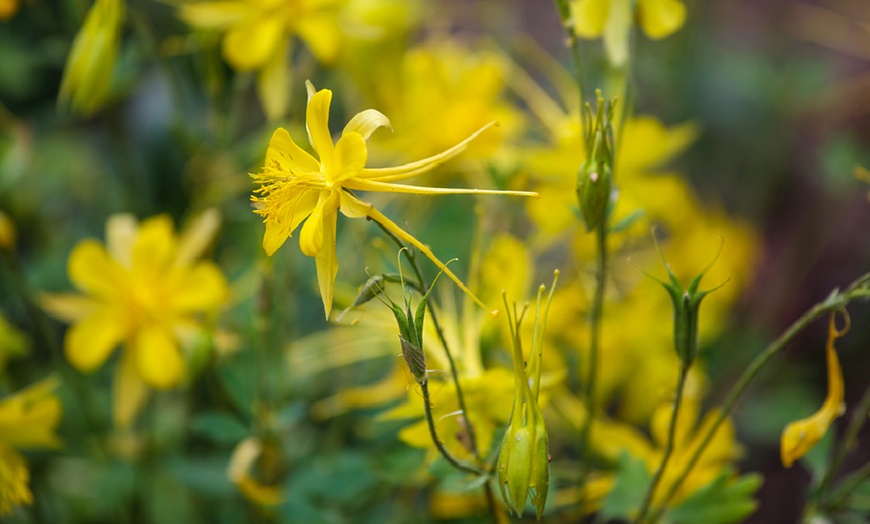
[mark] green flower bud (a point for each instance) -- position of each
(687, 303)
(595, 179)
(524, 460)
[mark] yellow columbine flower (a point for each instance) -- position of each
(147, 292)
(28, 419)
(88, 72)
(800, 436)
(294, 186)
(611, 19)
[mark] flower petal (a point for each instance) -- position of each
(89, 342)
(274, 238)
(317, 124)
(155, 247)
(311, 239)
(273, 82)
(327, 262)
(250, 44)
(68, 307)
(284, 153)
(214, 15)
(197, 235)
(129, 392)
(388, 174)
(322, 34)
(92, 270)
(158, 357)
(201, 289)
(350, 156)
(590, 17)
(660, 18)
(121, 232)
(366, 122)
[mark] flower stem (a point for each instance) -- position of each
(592, 362)
(412, 259)
(456, 463)
(842, 494)
(855, 424)
(574, 45)
(669, 446)
(836, 300)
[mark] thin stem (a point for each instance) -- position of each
(846, 489)
(574, 45)
(412, 259)
(855, 424)
(669, 446)
(456, 463)
(836, 300)
(594, 342)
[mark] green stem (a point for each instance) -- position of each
(576, 56)
(669, 446)
(456, 463)
(855, 424)
(594, 341)
(850, 485)
(412, 259)
(836, 300)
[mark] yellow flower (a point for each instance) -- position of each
(28, 419)
(13, 343)
(8, 8)
(242, 462)
(801, 435)
(145, 290)
(257, 30)
(294, 186)
(611, 19)
(88, 72)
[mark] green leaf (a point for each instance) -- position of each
(632, 480)
(218, 427)
(723, 501)
(627, 221)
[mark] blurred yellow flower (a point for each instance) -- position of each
(28, 419)
(612, 19)
(242, 462)
(800, 436)
(88, 72)
(13, 343)
(145, 290)
(294, 186)
(8, 8)
(8, 233)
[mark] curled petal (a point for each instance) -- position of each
(366, 122)
(327, 262)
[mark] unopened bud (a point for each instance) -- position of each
(595, 178)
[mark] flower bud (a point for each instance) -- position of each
(595, 179)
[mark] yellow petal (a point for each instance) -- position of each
(274, 237)
(327, 262)
(317, 124)
(660, 18)
(158, 357)
(92, 270)
(388, 174)
(121, 232)
(214, 15)
(30, 417)
(322, 34)
(350, 156)
(311, 239)
(273, 82)
(284, 153)
(129, 392)
(617, 32)
(68, 307)
(155, 247)
(366, 122)
(201, 289)
(590, 17)
(252, 43)
(89, 342)
(197, 235)
(800, 436)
